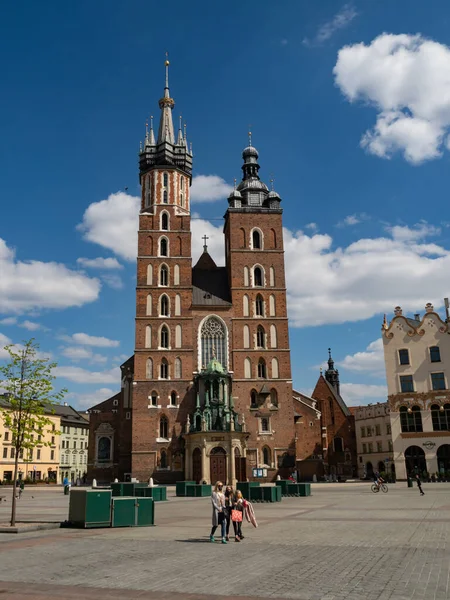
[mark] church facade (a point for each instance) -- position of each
(211, 392)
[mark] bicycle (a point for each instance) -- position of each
(377, 486)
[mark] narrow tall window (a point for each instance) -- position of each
(260, 337)
(438, 381)
(262, 370)
(246, 278)
(149, 369)
(149, 275)
(165, 199)
(274, 397)
(154, 399)
(164, 337)
(246, 333)
(149, 304)
(163, 247)
(245, 307)
(178, 336)
(247, 368)
(165, 221)
(164, 307)
(164, 369)
(164, 275)
(253, 399)
(272, 309)
(163, 460)
(259, 306)
(273, 336)
(178, 368)
(265, 424)
(178, 304)
(256, 240)
(272, 276)
(403, 355)
(406, 383)
(275, 373)
(148, 336)
(435, 354)
(173, 399)
(165, 180)
(266, 456)
(257, 277)
(176, 275)
(163, 427)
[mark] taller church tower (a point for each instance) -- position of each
(163, 348)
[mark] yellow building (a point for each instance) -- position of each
(40, 463)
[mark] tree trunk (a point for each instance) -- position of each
(14, 500)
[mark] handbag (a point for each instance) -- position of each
(236, 516)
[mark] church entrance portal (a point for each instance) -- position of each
(197, 465)
(218, 465)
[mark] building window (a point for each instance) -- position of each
(164, 369)
(164, 342)
(163, 427)
(163, 247)
(38, 457)
(440, 416)
(369, 447)
(178, 368)
(338, 444)
(404, 356)
(164, 276)
(74, 444)
(259, 306)
(256, 240)
(149, 369)
(388, 429)
(246, 279)
(173, 399)
(265, 425)
(262, 369)
(6, 436)
(165, 180)
(377, 430)
(435, 354)
(364, 447)
(52, 455)
(410, 419)
(213, 336)
(406, 383)
(5, 452)
(260, 337)
(266, 456)
(257, 277)
(104, 449)
(363, 432)
(379, 447)
(13, 453)
(390, 446)
(154, 399)
(247, 368)
(164, 306)
(438, 381)
(245, 306)
(253, 399)
(274, 397)
(165, 221)
(163, 460)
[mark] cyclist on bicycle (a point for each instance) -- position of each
(377, 479)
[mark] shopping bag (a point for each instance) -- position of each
(236, 515)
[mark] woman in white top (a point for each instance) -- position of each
(218, 512)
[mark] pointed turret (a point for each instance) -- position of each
(332, 374)
(166, 104)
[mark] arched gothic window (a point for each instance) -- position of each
(163, 427)
(164, 369)
(164, 275)
(178, 368)
(173, 399)
(213, 335)
(165, 221)
(149, 369)
(164, 342)
(163, 247)
(164, 307)
(260, 337)
(163, 460)
(259, 306)
(266, 456)
(253, 399)
(274, 397)
(256, 239)
(262, 369)
(257, 277)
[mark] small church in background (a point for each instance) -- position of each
(207, 394)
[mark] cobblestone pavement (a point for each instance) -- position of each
(341, 543)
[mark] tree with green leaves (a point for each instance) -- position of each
(28, 382)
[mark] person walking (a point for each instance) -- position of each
(218, 512)
(229, 500)
(237, 513)
(419, 484)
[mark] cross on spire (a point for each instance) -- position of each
(205, 238)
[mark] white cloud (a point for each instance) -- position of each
(355, 394)
(9, 321)
(29, 285)
(113, 224)
(99, 263)
(90, 399)
(80, 375)
(407, 79)
(353, 220)
(209, 188)
(216, 243)
(90, 340)
(370, 361)
(340, 20)
(112, 280)
(30, 325)
(403, 233)
(368, 277)
(313, 227)
(4, 341)
(77, 353)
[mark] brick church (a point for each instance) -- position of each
(208, 393)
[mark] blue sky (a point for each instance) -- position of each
(349, 105)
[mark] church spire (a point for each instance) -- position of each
(166, 104)
(332, 374)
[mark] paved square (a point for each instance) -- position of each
(343, 542)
